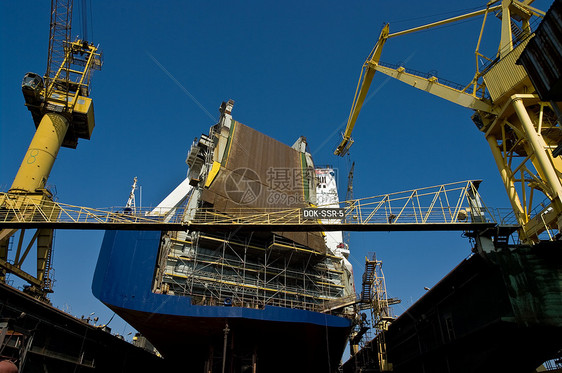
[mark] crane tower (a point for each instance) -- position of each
(521, 129)
(62, 112)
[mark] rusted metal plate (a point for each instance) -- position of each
(262, 173)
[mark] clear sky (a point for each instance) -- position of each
(292, 68)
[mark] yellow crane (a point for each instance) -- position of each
(520, 129)
(62, 112)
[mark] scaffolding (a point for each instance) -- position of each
(249, 271)
(375, 300)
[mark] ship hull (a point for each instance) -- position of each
(495, 312)
(42, 338)
(268, 339)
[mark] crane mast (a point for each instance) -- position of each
(59, 34)
(62, 112)
(130, 206)
(520, 129)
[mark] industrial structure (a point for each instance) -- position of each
(515, 97)
(209, 296)
(250, 244)
(446, 207)
(375, 319)
(63, 112)
(520, 128)
(34, 336)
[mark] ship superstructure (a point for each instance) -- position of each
(327, 197)
(295, 270)
(218, 295)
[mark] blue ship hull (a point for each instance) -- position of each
(271, 339)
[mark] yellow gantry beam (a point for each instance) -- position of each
(434, 87)
(527, 165)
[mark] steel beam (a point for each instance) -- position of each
(255, 227)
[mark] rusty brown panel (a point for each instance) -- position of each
(313, 240)
(208, 196)
(257, 152)
(254, 150)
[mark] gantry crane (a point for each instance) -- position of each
(520, 129)
(63, 112)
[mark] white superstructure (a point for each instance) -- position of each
(327, 196)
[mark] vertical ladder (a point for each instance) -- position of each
(368, 278)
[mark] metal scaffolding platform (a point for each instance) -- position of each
(259, 271)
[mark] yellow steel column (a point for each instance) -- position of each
(506, 42)
(41, 154)
(546, 168)
(507, 179)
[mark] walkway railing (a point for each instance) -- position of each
(454, 206)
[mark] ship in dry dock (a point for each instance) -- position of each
(271, 301)
(274, 301)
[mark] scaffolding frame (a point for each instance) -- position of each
(250, 273)
(374, 298)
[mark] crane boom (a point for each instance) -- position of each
(365, 79)
(371, 66)
(520, 129)
(433, 86)
(59, 34)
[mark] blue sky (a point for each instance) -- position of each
(292, 68)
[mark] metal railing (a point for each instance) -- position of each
(467, 88)
(442, 207)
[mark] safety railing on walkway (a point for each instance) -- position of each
(444, 207)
